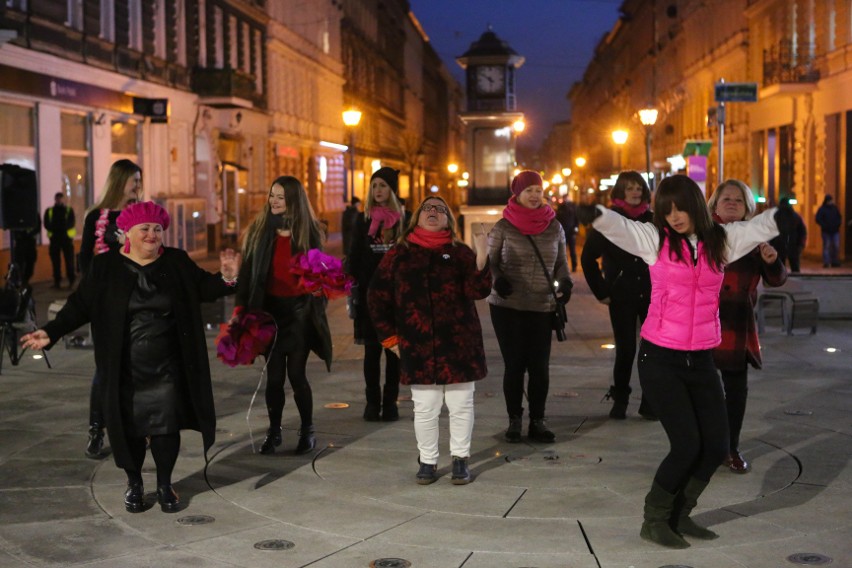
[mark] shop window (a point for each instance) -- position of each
(16, 142)
(75, 164)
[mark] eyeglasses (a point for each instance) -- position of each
(436, 208)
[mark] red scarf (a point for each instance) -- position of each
(528, 221)
(632, 211)
(430, 239)
(381, 216)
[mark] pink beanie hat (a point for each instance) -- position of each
(138, 213)
(525, 179)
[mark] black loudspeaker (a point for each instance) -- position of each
(18, 198)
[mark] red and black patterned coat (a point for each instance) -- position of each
(426, 297)
(737, 299)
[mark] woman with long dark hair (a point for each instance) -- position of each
(285, 228)
(687, 252)
(623, 284)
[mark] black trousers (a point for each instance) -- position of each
(684, 391)
(524, 339)
(571, 245)
(62, 247)
(373, 374)
(736, 393)
(624, 317)
(164, 449)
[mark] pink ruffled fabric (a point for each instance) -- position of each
(321, 274)
(241, 342)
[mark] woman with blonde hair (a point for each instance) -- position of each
(376, 230)
(285, 227)
(101, 234)
(732, 202)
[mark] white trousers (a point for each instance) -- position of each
(428, 401)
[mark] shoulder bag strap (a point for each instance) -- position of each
(544, 267)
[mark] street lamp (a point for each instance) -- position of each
(351, 118)
(620, 138)
(648, 117)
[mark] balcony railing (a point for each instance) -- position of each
(784, 63)
(208, 82)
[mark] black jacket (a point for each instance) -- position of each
(102, 298)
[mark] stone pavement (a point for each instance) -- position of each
(354, 502)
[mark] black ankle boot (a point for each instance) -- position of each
(539, 432)
(95, 445)
(620, 398)
(390, 412)
(372, 412)
(461, 471)
(307, 441)
(168, 499)
(272, 441)
(134, 497)
(513, 432)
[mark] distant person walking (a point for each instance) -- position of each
(566, 213)
(793, 234)
(59, 222)
(829, 219)
(347, 222)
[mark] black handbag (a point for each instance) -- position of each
(559, 316)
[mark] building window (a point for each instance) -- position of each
(202, 33)
(233, 44)
(17, 5)
(134, 11)
(245, 47)
(75, 14)
(160, 29)
(16, 136)
(108, 20)
(219, 37)
(125, 141)
(75, 163)
(180, 12)
(258, 61)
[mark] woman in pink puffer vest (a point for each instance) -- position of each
(687, 253)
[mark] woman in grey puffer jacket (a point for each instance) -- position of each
(521, 300)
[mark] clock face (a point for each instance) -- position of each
(490, 79)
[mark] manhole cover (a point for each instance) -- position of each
(274, 544)
(809, 558)
(336, 405)
(192, 520)
(798, 412)
(390, 563)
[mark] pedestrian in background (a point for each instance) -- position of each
(567, 215)
(623, 283)
(101, 234)
(284, 228)
(687, 253)
(740, 347)
(522, 300)
(790, 243)
(375, 231)
(422, 302)
(347, 222)
(829, 219)
(60, 224)
(144, 303)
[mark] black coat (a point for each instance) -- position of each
(102, 299)
(624, 278)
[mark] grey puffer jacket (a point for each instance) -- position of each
(512, 256)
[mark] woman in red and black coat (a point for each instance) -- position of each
(624, 284)
(732, 201)
(422, 302)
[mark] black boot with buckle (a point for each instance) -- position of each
(539, 432)
(95, 445)
(307, 440)
(272, 441)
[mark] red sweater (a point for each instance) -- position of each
(281, 281)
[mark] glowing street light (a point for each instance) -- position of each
(648, 118)
(580, 161)
(519, 125)
(351, 118)
(452, 168)
(620, 138)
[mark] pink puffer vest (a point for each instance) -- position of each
(684, 310)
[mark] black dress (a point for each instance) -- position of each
(151, 387)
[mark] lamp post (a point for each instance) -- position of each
(351, 118)
(620, 138)
(648, 117)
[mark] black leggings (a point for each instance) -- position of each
(524, 339)
(624, 316)
(684, 391)
(373, 374)
(288, 365)
(164, 448)
(736, 393)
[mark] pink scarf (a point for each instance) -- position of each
(528, 221)
(383, 217)
(632, 211)
(429, 239)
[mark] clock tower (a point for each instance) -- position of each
(490, 114)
